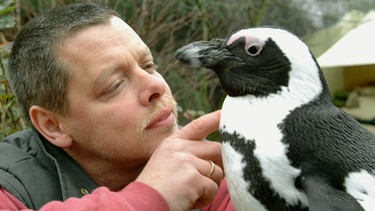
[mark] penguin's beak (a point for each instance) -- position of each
(203, 53)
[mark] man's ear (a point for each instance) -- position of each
(49, 126)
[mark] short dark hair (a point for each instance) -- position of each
(37, 76)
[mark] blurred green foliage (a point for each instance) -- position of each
(10, 118)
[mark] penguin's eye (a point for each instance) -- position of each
(254, 49)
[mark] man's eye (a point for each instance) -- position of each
(151, 67)
(115, 86)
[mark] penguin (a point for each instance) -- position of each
(285, 145)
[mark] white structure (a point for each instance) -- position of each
(355, 48)
(346, 54)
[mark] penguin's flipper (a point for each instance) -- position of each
(322, 197)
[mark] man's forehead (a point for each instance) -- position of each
(120, 24)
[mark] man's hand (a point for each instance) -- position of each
(180, 167)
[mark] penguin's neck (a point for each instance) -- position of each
(250, 116)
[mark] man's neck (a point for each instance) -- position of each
(115, 179)
(107, 173)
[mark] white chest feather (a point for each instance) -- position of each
(257, 120)
(361, 185)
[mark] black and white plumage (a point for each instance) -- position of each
(285, 145)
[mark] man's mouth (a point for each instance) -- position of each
(163, 118)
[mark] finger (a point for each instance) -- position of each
(209, 169)
(215, 172)
(205, 150)
(199, 128)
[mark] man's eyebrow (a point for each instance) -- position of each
(146, 52)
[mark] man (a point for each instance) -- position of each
(104, 130)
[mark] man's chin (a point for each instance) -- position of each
(160, 133)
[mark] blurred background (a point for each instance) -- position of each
(327, 26)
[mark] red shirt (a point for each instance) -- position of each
(135, 196)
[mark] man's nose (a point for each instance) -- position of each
(151, 86)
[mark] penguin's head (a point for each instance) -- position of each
(255, 61)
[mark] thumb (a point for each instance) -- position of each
(201, 127)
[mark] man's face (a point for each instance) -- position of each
(120, 107)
